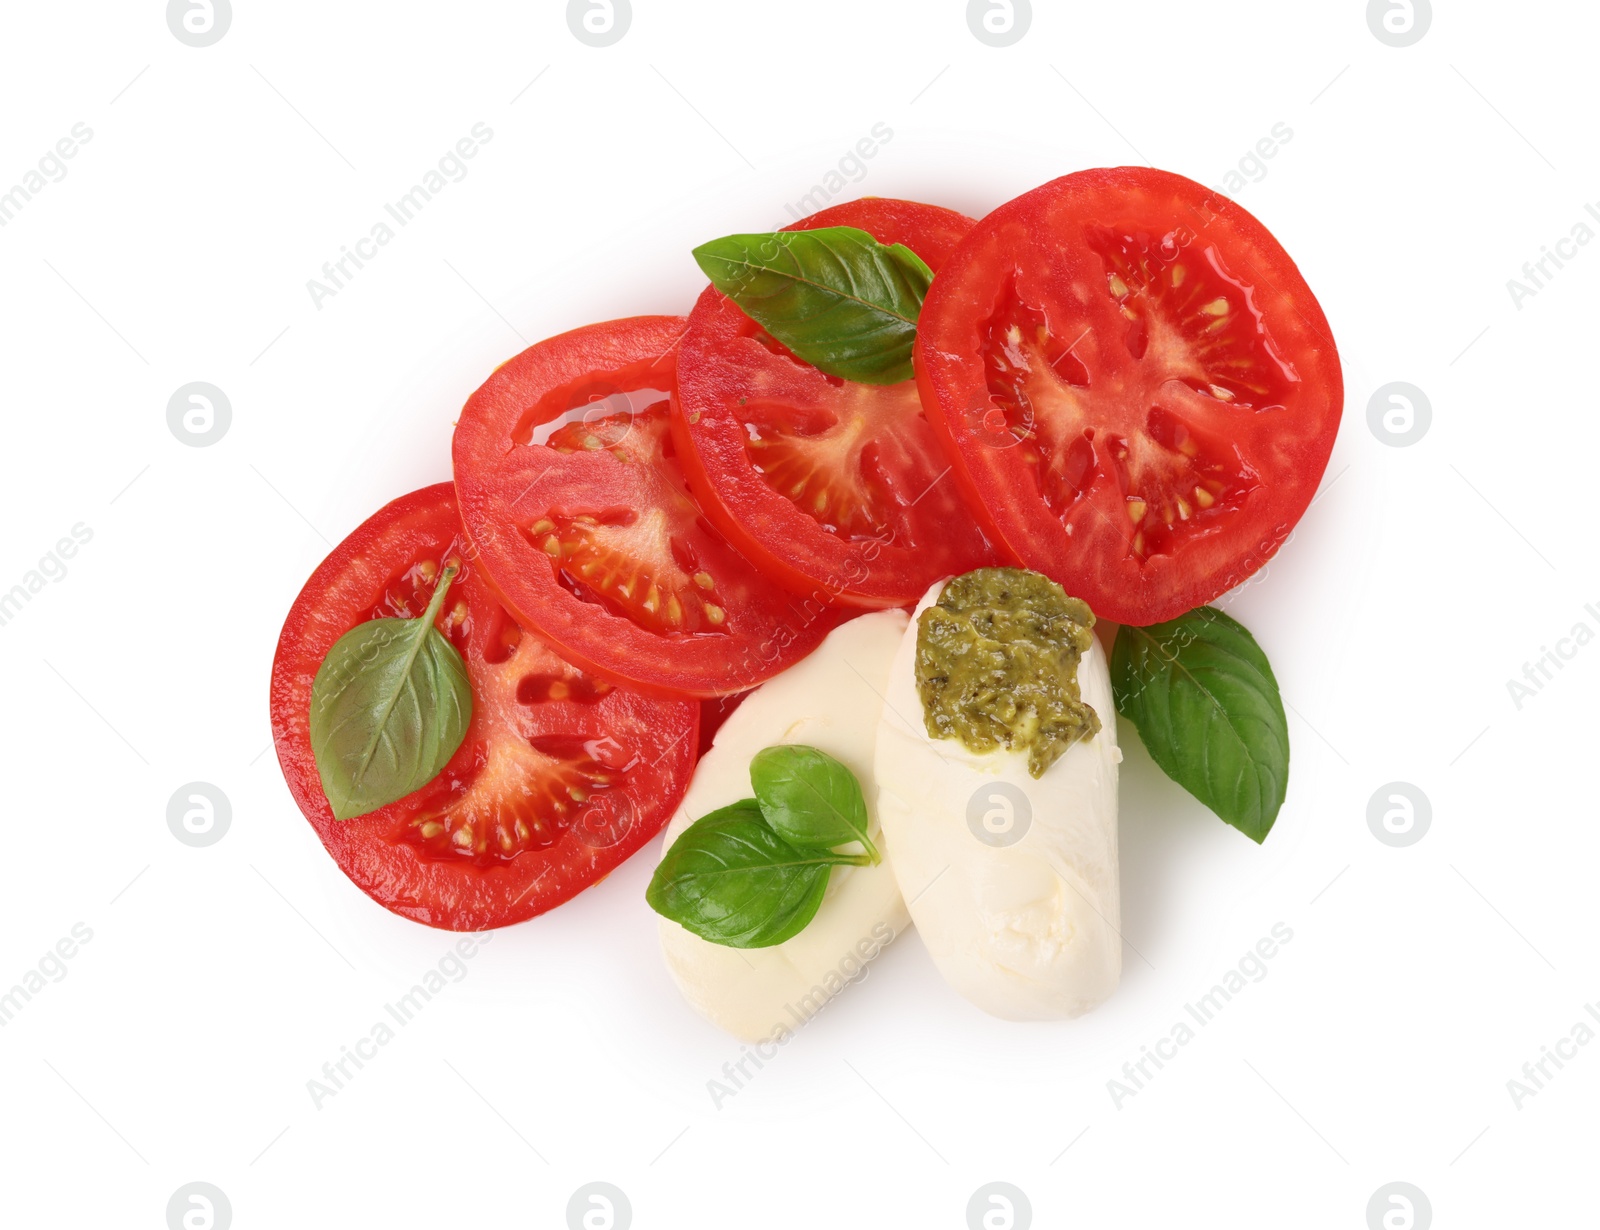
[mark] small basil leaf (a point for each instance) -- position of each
(1205, 702)
(809, 798)
(389, 707)
(835, 296)
(731, 880)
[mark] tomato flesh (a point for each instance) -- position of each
(560, 777)
(1138, 388)
(832, 485)
(572, 496)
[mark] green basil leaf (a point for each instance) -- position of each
(731, 880)
(809, 798)
(1205, 702)
(389, 707)
(835, 296)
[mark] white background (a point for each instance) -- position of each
(219, 980)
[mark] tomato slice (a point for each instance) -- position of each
(571, 494)
(561, 775)
(1139, 388)
(714, 711)
(824, 482)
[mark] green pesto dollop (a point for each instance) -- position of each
(997, 665)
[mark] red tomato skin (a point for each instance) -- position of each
(769, 529)
(784, 625)
(950, 379)
(448, 895)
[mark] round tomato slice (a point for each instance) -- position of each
(561, 776)
(1138, 387)
(572, 496)
(826, 483)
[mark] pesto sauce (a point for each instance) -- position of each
(997, 665)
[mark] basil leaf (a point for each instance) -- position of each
(835, 296)
(731, 880)
(1206, 704)
(809, 798)
(389, 707)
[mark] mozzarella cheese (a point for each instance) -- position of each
(831, 701)
(1011, 880)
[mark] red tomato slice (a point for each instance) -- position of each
(572, 496)
(561, 775)
(1139, 388)
(828, 484)
(714, 711)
